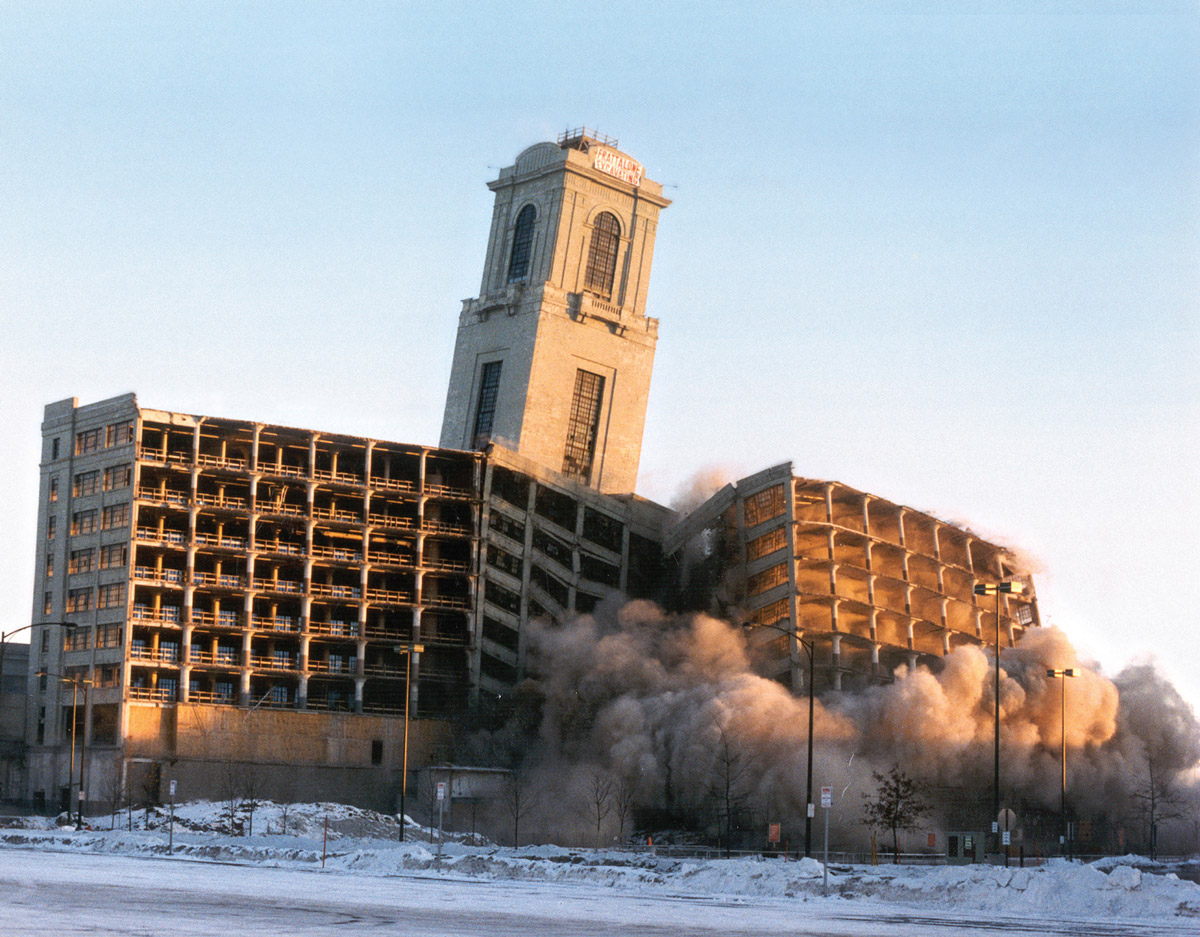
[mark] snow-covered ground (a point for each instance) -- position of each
(1118, 895)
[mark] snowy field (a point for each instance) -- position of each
(124, 882)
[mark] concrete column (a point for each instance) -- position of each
(836, 655)
(358, 693)
(302, 692)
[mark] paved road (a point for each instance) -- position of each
(68, 893)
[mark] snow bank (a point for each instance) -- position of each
(363, 842)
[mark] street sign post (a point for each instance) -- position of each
(171, 827)
(826, 804)
(441, 802)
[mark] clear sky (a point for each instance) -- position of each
(947, 258)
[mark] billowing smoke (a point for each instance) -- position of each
(700, 487)
(671, 709)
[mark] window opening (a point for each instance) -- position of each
(602, 255)
(485, 412)
(518, 265)
(583, 425)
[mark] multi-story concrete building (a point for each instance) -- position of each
(235, 596)
(214, 563)
(867, 583)
(553, 358)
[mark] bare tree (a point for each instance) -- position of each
(231, 791)
(150, 786)
(1155, 798)
(600, 797)
(899, 804)
(252, 785)
(519, 799)
(112, 790)
(623, 801)
(727, 782)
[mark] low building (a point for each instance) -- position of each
(14, 703)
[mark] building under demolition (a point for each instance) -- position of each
(217, 596)
(867, 584)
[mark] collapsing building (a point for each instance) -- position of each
(214, 592)
(867, 584)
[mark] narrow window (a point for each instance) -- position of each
(518, 263)
(47, 600)
(377, 751)
(53, 489)
(485, 411)
(49, 564)
(51, 527)
(602, 255)
(54, 448)
(583, 425)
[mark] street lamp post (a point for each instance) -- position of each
(997, 589)
(1062, 803)
(809, 809)
(76, 683)
(407, 650)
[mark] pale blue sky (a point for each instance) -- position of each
(949, 259)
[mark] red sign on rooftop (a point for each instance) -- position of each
(616, 165)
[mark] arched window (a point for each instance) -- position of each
(602, 255)
(518, 264)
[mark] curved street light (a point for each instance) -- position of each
(1009, 587)
(809, 808)
(5, 635)
(1062, 803)
(407, 650)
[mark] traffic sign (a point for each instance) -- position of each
(827, 797)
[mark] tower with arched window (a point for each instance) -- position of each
(553, 358)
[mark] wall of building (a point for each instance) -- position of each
(554, 548)
(14, 703)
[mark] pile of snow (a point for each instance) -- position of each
(361, 841)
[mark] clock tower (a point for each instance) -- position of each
(553, 358)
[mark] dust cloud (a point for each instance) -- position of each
(670, 708)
